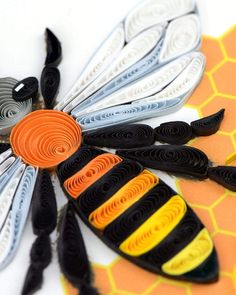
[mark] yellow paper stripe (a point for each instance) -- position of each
(191, 256)
(231, 158)
(123, 199)
(156, 228)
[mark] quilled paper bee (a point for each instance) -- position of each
(147, 67)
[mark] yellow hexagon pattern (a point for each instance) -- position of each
(215, 205)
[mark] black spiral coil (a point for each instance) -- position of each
(176, 159)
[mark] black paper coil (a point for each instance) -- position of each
(108, 185)
(174, 132)
(33, 281)
(123, 136)
(208, 125)
(137, 214)
(224, 175)
(179, 238)
(49, 82)
(72, 253)
(54, 51)
(44, 207)
(25, 89)
(77, 161)
(176, 159)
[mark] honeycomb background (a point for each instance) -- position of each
(215, 205)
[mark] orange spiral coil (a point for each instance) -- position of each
(45, 138)
(90, 173)
(123, 199)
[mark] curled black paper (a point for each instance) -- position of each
(224, 175)
(177, 132)
(44, 207)
(49, 82)
(33, 281)
(41, 254)
(108, 185)
(77, 161)
(54, 51)
(176, 159)
(25, 89)
(72, 253)
(208, 125)
(124, 136)
(134, 216)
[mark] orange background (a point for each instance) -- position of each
(215, 205)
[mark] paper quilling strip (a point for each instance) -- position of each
(123, 136)
(164, 102)
(224, 175)
(77, 183)
(133, 52)
(151, 42)
(44, 221)
(139, 216)
(17, 215)
(149, 85)
(45, 138)
(147, 13)
(128, 113)
(171, 158)
(72, 253)
(11, 111)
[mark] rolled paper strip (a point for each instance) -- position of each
(5, 164)
(4, 156)
(17, 216)
(11, 111)
(133, 217)
(184, 160)
(8, 192)
(184, 233)
(145, 87)
(151, 12)
(133, 52)
(77, 161)
(177, 132)
(72, 255)
(7, 169)
(45, 138)
(184, 84)
(102, 58)
(4, 147)
(191, 256)
(224, 175)
(33, 281)
(54, 51)
(44, 206)
(156, 228)
(41, 252)
(90, 173)
(124, 136)
(182, 35)
(123, 199)
(25, 89)
(40, 258)
(103, 189)
(208, 125)
(138, 70)
(153, 228)
(49, 82)
(128, 113)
